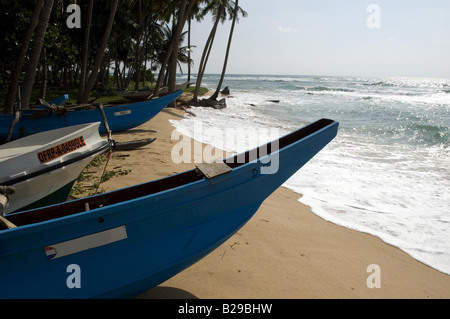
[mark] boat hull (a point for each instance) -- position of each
(120, 118)
(122, 249)
(40, 176)
(49, 188)
(60, 195)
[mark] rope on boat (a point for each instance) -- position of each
(111, 143)
(104, 170)
(11, 127)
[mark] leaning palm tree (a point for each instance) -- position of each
(173, 43)
(38, 43)
(217, 7)
(184, 11)
(236, 11)
(100, 52)
(21, 57)
(85, 52)
(198, 14)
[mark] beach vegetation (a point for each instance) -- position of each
(93, 50)
(95, 173)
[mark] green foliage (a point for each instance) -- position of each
(191, 89)
(89, 181)
(141, 34)
(14, 20)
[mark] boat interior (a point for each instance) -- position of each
(152, 187)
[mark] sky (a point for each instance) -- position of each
(377, 38)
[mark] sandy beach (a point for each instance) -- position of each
(284, 252)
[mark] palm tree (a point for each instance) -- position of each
(218, 9)
(139, 27)
(100, 52)
(38, 42)
(198, 14)
(21, 57)
(176, 39)
(121, 43)
(168, 53)
(237, 9)
(172, 51)
(85, 52)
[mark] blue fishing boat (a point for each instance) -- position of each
(119, 117)
(124, 242)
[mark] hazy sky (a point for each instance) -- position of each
(334, 37)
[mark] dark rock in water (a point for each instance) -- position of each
(218, 105)
(225, 91)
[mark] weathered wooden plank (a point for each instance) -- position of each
(213, 169)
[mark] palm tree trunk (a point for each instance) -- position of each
(137, 59)
(21, 57)
(185, 10)
(38, 43)
(100, 53)
(216, 94)
(44, 75)
(203, 62)
(85, 52)
(177, 35)
(189, 51)
(206, 52)
(144, 75)
(162, 71)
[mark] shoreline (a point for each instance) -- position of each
(284, 252)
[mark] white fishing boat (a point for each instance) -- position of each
(42, 168)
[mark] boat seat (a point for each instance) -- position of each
(212, 170)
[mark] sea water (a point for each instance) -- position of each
(387, 172)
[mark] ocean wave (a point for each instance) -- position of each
(325, 88)
(379, 83)
(392, 149)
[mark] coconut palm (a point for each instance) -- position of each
(85, 52)
(100, 52)
(21, 57)
(180, 15)
(217, 8)
(38, 42)
(234, 15)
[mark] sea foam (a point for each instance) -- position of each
(386, 173)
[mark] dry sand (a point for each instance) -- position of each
(284, 251)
